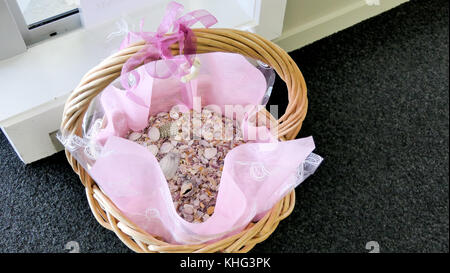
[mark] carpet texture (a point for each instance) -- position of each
(378, 110)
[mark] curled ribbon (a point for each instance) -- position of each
(173, 28)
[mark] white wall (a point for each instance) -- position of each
(306, 21)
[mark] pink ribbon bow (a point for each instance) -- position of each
(158, 47)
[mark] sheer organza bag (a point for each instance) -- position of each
(255, 175)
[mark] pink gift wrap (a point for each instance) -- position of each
(255, 176)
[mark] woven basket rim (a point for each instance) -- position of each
(208, 40)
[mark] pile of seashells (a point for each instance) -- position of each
(190, 148)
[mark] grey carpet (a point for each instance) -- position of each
(378, 110)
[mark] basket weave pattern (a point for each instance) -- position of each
(208, 40)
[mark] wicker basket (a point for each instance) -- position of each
(208, 40)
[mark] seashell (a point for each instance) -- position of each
(217, 135)
(165, 130)
(212, 181)
(134, 136)
(145, 144)
(208, 192)
(186, 188)
(203, 142)
(174, 114)
(210, 152)
(197, 123)
(197, 133)
(179, 123)
(213, 163)
(210, 210)
(153, 149)
(169, 164)
(207, 126)
(188, 217)
(185, 117)
(198, 181)
(196, 202)
(189, 209)
(217, 127)
(199, 214)
(208, 135)
(207, 112)
(173, 187)
(185, 135)
(153, 134)
(183, 147)
(166, 147)
(204, 161)
(193, 171)
(174, 142)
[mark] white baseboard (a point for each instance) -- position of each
(332, 22)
